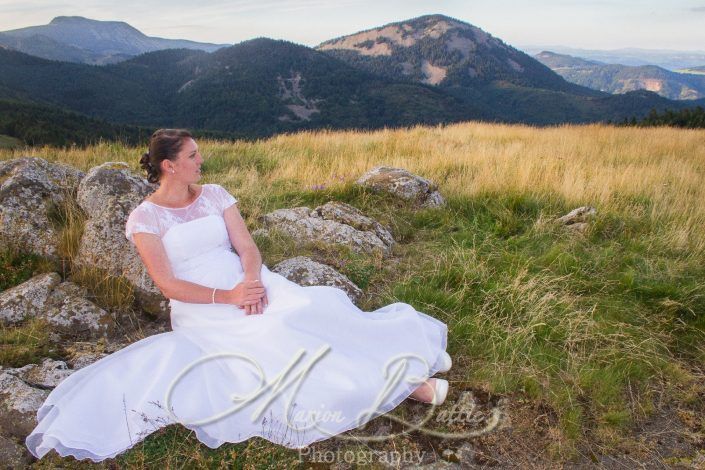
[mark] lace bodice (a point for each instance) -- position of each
(152, 218)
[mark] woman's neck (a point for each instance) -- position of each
(174, 194)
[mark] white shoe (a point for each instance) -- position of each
(446, 362)
(440, 392)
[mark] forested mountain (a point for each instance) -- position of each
(78, 39)
(256, 88)
(45, 125)
(614, 78)
(262, 86)
(443, 51)
(481, 70)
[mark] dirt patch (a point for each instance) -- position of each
(291, 94)
(465, 46)
(434, 75)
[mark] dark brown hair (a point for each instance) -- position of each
(164, 144)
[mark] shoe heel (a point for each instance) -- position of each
(440, 392)
(446, 362)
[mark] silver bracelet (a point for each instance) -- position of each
(213, 295)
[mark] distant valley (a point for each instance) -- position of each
(668, 59)
(616, 78)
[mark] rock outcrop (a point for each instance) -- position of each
(404, 185)
(30, 190)
(46, 375)
(306, 272)
(64, 305)
(334, 223)
(108, 193)
(19, 403)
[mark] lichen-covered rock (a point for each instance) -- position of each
(63, 304)
(108, 193)
(404, 185)
(72, 314)
(13, 455)
(22, 301)
(306, 272)
(48, 374)
(19, 403)
(330, 224)
(577, 216)
(80, 354)
(347, 214)
(577, 220)
(30, 189)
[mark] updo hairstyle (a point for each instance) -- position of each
(164, 144)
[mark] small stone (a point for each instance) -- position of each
(578, 215)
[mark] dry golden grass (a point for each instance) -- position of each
(613, 168)
(573, 322)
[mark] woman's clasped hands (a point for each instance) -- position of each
(250, 295)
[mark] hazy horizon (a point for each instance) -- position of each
(626, 24)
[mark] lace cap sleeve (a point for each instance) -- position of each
(222, 197)
(141, 221)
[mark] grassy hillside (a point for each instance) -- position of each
(590, 338)
(7, 142)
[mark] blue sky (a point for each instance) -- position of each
(598, 24)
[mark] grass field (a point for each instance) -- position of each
(7, 142)
(599, 329)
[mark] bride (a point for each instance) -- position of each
(250, 352)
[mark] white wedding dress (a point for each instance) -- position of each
(312, 366)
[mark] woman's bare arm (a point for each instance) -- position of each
(154, 257)
(246, 249)
(243, 242)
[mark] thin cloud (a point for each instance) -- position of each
(698, 9)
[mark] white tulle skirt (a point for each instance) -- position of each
(312, 366)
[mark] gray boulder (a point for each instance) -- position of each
(402, 184)
(108, 193)
(24, 300)
(30, 189)
(306, 272)
(13, 455)
(62, 304)
(334, 223)
(72, 315)
(46, 375)
(347, 214)
(19, 403)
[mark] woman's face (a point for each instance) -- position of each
(187, 165)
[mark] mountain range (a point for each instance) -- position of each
(695, 70)
(616, 78)
(82, 40)
(427, 70)
(668, 59)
